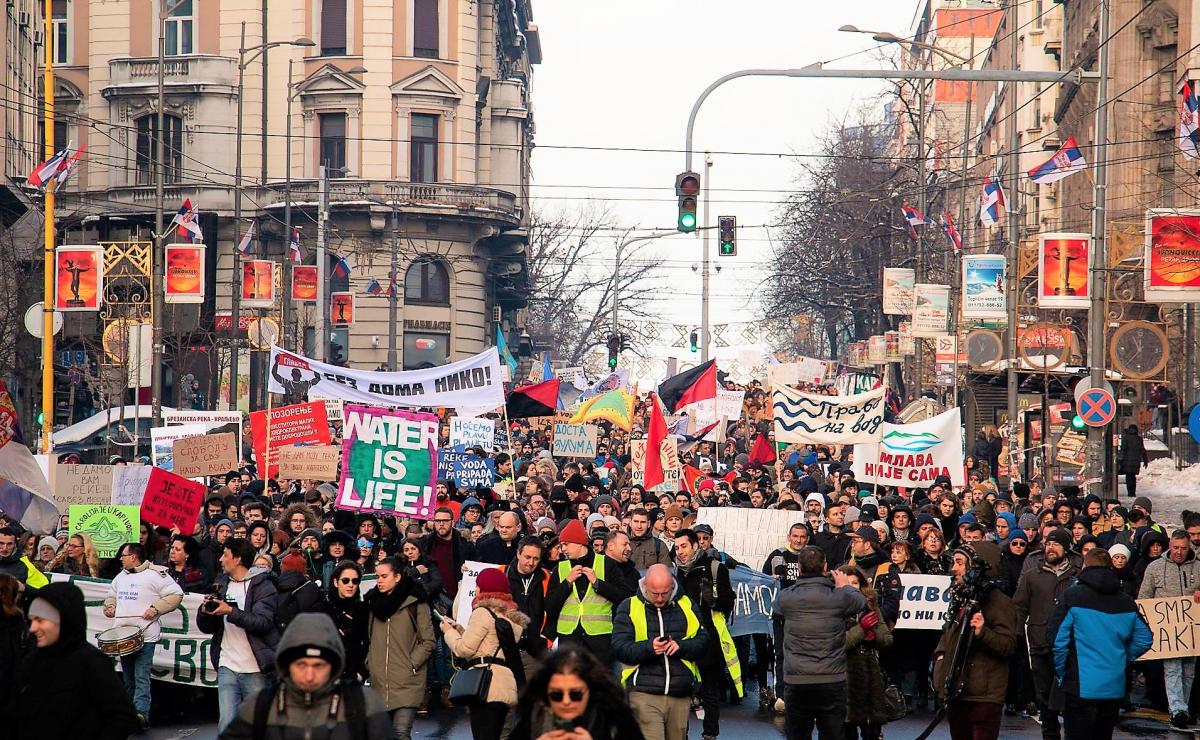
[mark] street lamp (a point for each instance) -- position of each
(235, 319)
(886, 37)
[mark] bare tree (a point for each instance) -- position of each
(574, 275)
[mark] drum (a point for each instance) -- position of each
(119, 641)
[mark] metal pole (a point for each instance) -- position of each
(393, 290)
(1096, 463)
(1014, 250)
(962, 219)
(158, 262)
(322, 299)
(235, 318)
(287, 213)
(48, 243)
(704, 279)
(922, 203)
(265, 53)
(616, 288)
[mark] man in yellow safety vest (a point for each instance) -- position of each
(706, 583)
(658, 637)
(582, 594)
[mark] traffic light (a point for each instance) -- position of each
(614, 348)
(695, 340)
(337, 355)
(687, 188)
(624, 343)
(1077, 422)
(727, 228)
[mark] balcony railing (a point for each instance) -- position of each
(408, 194)
(195, 69)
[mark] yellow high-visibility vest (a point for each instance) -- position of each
(732, 665)
(641, 632)
(34, 578)
(593, 612)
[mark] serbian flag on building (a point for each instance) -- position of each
(952, 235)
(373, 287)
(189, 227)
(342, 268)
(913, 216)
(68, 167)
(696, 384)
(246, 245)
(991, 204)
(1189, 125)
(294, 247)
(48, 170)
(1066, 162)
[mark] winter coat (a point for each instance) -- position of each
(658, 674)
(425, 573)
(15, 641)
(479, 639)
(1096, 631)
(191, 579)
(460, 550)
(886, 582)
(310, 715)
(529, 593)
(350, 617)
(933, 566)
(696, 582)
(258, 619)
(648, 550)
(1166, 578)
(1133, 455)
(985, 676)
(814, 638)
(614, 588)
(69, 689)
(401, 643)
(1037, 591)
(491, 548)
(836, 546)
(297, 594)
(864, 679)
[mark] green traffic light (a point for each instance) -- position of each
(687, 221)
(1077, 422)
(40, 418)
(726, 248)
(612, 362)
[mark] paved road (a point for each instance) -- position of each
(736, 722)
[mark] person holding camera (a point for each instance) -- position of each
(240, 615)
(976, 695)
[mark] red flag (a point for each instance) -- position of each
(761, 453)
(656, 433)
(695, 384)
(691, 477)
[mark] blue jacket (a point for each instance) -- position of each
(1096, 631)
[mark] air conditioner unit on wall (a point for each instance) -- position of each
(24, 19)
(38, 38)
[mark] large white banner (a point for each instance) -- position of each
(748, 535)
(912, 455)
(473, 383)
(805, 417)
(923, 601)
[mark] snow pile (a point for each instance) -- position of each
(1171, 490)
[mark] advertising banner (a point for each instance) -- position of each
(1172, 261)
(79, 278)
(1063, 270)
(983, 282)
(912, 455)
(876, 349)
(931, 309)
(898, 287)
(820, 419)
(299, 423)
(304, 283)
(389, 462)
(341, 308)
(184, 278)
(258, 284)
(471, 383)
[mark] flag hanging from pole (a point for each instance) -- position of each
(992, 204)
(952, 235)
(1189, 127)
(505, 354)
(342, 268)
(189, 227)
(913, 216)
(48, 170)
(68, 167)
(246, 245)
(373, 287)
(1066, 162)
(294, 247)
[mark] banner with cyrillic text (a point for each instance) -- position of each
(923, 601)
(913, 455)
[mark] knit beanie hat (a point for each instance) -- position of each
(1119, 550)
(1028, 521)
(573, 533)
(491, 580)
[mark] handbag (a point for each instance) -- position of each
(469, 688)
(894, 704)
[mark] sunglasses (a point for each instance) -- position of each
(348, 581)
(574, 694)
(1018, 543)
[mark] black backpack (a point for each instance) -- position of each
(348, 690)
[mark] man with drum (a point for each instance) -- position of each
(138, 596)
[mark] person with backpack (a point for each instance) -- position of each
(311, 700)
(647, 549)
(298, 593)
(400, 643)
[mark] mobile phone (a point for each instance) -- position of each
(437, 616)
(566, 725)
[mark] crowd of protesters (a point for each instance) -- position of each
(605, 614)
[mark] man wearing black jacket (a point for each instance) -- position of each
(447, 550)
(706, 583)
(833, 539)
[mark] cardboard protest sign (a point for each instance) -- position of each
(923, 601)
(669, 456)
(1173, 624)
(467, 590)
(299, 423)
(914, 454)
(501, 440)
(748, 535)
(389, 462)
(162, 442)
(574, 440)
(469, 432)
(82, 484)
(172, 501)
(466, 469)
(309, 462)
(208, 454)
(108, 526)
(129, 484)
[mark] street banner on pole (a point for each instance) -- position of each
(304, 283)
(341, 308)
(471, 383)
(1063, 270)
(898, 285)
(820, 419)
(184, 278)
(79, 276)
(983, 282)
(258, 283)
(931, 309)
(389, 462)
(1172, 262)
(913, 455)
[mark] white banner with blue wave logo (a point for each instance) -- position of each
(820, 419)
(912, 455)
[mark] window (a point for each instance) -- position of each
(172, 148)
(423, 148)
(58, 26)
(180, 27)
(333, 142)
(423, 350)
(425, 29)
(427, 282)
(62, 134)
(333, 27)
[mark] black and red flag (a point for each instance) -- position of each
(697, 384)
(540, 399)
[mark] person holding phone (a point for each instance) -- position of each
(573, 697)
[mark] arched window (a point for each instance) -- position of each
(172, 148)
(427, 282)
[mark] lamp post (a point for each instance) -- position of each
(890, 38)
(235, 319)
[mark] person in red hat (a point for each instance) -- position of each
(583, 592)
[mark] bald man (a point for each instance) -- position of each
(658, 637)
(500, 546)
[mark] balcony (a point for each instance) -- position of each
(193, 73)
(431, 198)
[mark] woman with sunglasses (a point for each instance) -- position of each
(574, 697)
(350, 616)
(368, 554)
(77, 558)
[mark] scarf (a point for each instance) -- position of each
(382, 605)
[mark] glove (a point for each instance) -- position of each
(868, 620)
(869, 636)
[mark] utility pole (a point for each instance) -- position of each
(235, 318)
(322, 268)
(704, 277)
(48, 298)
(922, 204)
(1096, 463)
(1011, 169)
(287, 215)
(393, 289)
(158, 262)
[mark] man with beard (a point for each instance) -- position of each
(1038, 589)
(706, 582)
(583, 591)
(833, 538)
(1176, 573)
(647, 549)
